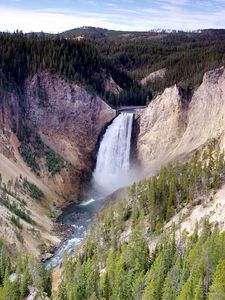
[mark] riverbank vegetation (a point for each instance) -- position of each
(19, 276)
(192, 268)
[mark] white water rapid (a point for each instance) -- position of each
(113, 160)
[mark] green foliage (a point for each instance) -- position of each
(43, 280)
(30, 158)
(217, 289)
(13, 207)
(20, 213)
(33, 149)
(191, 270)
(120, 269)
(79, 61)
(54, 162)
(17, 276)
(160, 196)
(31, 146)
(16, 221)
(32, 189)
(186, 56)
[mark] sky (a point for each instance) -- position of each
(57, 16)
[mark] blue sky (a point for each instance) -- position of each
(57, 16)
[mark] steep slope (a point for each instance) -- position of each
(70, 122)
(55, 125)
(25, 223)
(131, 253)
(182, 123)
(122, 245)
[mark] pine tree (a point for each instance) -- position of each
(217, 289)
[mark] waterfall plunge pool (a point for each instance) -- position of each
(111, 173)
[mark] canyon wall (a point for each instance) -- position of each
(57, 116)
(173, 125)
(70, 121)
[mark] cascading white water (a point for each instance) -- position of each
(113, 160)
(111, 172)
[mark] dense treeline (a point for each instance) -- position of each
(23, 55)
(186, 58)
(193, 268)
(111, 266)
(170, 36)
(18, 277)
(160, 196)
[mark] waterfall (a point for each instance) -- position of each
(113, 159)
(111, 172)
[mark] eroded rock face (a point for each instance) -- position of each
(161, 126)
(9, 120)
(153, 76)
(69, 121)
(172, 125)
(111, 86)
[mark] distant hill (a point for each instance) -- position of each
(87, 32)
(95, 33)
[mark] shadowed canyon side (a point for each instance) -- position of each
(48, 136)
(70, 122)
(182, 123)
(65, 118)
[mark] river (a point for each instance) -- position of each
(111, 172)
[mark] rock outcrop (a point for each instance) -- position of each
(69, 121)
(182, 125)
(111, 86)
(159, 74)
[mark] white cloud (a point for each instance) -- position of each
(167, 16)
(12, 19)
(111, 4)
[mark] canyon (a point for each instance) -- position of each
(71, 122)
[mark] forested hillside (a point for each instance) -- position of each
(23, 55)
(131, 252)
(185, 56)
(181, 266)
(18, 276)
(192, 269)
